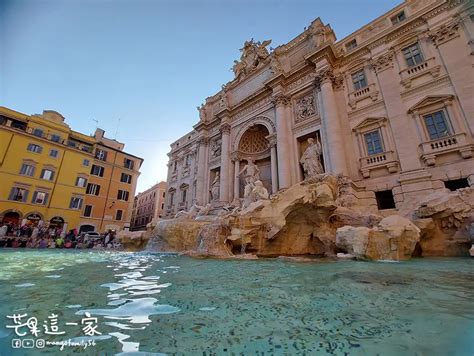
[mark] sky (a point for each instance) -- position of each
(141, 67)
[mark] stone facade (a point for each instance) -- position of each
(148, 206)
(391, 105)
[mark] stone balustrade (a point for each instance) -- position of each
(452, 143)
(427, 67)
(369, 91)
(386, 159)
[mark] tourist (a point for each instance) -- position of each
(43, 243)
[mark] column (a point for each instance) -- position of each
(236, 159)
(202, 167)
(273, 160)
(330, 124)
(283, 149)
(225, 162)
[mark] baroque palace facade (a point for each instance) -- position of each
(391, 106)
(53, 175)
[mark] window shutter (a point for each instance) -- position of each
(35, 194)
(25, 196)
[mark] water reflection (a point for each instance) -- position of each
(131, 295)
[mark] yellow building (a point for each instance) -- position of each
(46, 172)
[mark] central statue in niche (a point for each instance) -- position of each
(254, 189)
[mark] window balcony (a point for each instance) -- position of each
(454, 143)
(386, 160)
(361, 94)
(427, 67)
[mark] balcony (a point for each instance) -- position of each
(386, 160)
(427, 67)
(454, 143)
(361, 94)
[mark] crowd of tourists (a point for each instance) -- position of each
(30, 236)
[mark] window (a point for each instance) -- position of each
(171, 198)
(184, 195)
(47, 174)
(175, 166)
(128, 163)
(118, 215)
(373, 142)
(97, 170)
(55, 138)
(76, 203)
(126, 178)
(456, 184)
(398, 18)
(122, 195)
(163, 194)
(385, 200)
(359, 80)
(38, 132)
(162, 206)
(88, 211)
(53, 153)
(81, 182)
(351, 44)
(101, 154)
(27, 170)
(436, 125)
(18, 194)
(413, 55)
(40, 198)
(93, 189)
(86, 162)
(34, 148)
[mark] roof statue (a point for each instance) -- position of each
(253, 54)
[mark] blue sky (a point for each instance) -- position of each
(147, 63)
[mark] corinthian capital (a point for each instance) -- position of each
(324, 76)
(280, 99)
(225, 129)
(272, 140)
(203, 140)
(385, 61)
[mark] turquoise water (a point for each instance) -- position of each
(162, 304)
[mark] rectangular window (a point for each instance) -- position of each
(118, 215)
(88, 211)
(101, 154)
(55, 138)
(76, 203)
(97, 170)
(53, 153)
(398, 18)
(93, 189)
(38, 132)
(351, 44)
(385, 200)
(413, 55)
(128, 163)
(163, 194)
(81, 182)
(122, 195)
(126, 178)
(171, 198)
(86, 162)
(27, 170)
(18, 194)
(359, 80)
(184, 195)
(34, 148)
(47, 174)
(162, 206)
(373, 142)
(437, 125)
(40, 198)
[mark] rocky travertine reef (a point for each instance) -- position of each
(323, 216)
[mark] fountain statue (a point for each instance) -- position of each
(215, 187)
(311, 159)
